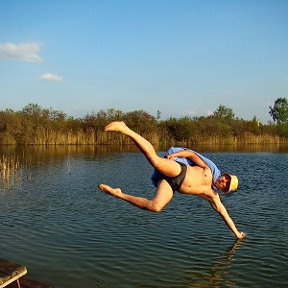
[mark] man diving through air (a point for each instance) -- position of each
(181, 170)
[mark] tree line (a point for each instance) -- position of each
(36, 125)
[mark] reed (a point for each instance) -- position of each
(10, 171)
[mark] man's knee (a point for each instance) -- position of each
(156, 161)
(155, 207)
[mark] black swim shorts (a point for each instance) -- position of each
(176, 182)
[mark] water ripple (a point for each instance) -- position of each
(66, 231)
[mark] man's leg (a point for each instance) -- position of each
(165, 166)
(161, 198)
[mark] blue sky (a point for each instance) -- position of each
(181, 57)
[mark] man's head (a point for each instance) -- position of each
(227, 183)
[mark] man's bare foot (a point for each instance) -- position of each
(116, 126)
(116, 192)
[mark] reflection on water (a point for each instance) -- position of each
(52, 151)
(10, 172)
(216, 276)
(16, 161)
(243, 148)
(203, 271)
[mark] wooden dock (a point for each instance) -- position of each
(12, 275)
(28, 283)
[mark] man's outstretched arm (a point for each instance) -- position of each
(220, 208)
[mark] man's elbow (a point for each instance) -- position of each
(215, 207)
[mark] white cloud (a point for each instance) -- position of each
(20, 52)
(209, 112)
(51, 77)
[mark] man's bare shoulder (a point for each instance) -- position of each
(200, 170)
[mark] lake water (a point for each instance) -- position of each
(67, 233)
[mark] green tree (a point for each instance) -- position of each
(158, 116)
(224, 113)
(181, 129)
(141, 121)
(279, 112)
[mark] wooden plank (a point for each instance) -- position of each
(10, 272)
(29, 283)
(8, 279)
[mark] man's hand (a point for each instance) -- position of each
(241, 235)
(169, 156)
